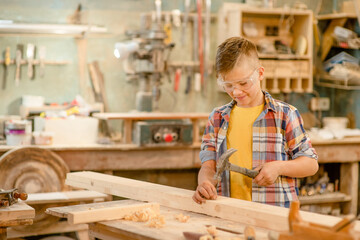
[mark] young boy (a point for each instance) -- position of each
(268, 134)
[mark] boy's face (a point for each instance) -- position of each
(242, 83)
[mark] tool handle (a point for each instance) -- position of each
(247, 172)
(177, 79)
(23, 196)
(18, 65)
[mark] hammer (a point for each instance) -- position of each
(224, 164)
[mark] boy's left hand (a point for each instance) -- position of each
(268, 173)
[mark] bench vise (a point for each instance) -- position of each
(9, 197)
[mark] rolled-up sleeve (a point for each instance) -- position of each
(208, 144)
(298, 141)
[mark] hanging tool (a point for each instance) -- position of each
(42, 54)
(30, 54)
(188, 82)
(7, 61)
(207, 39)
(176, 19)
(185, 22)
(177, 79)
(197, 85)
(9, 197)
(224, 164)
(200, 40)
(18, 58)
(167, 29)
(158, 12)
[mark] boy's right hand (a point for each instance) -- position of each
(205, 190)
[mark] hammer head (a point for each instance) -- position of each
(223, 163)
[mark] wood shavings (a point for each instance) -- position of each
(206, 237)
(157, 221)
(182, 218)
(147, 215)
(212, 230)
(143, 215)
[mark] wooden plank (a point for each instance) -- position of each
(255, 214)
(59, 227)
(62, 197)
(95, 212)
(173, 229)
(156, 158)
(349, 182)
(324, 198)
(150, 115)
(17, 211)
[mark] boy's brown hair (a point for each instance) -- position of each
(231, 51)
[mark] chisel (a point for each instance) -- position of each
(200, 40)
(30, 53)
(185, 22)
(42, 54)
(6, 65)
(18, 58)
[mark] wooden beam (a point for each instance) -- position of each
(349, 182)
(58, 227)
(17, 211)
(95, 212)
(250, 213)
(67, 196)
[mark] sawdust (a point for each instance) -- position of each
(142, 215)
(157, 221)
(212, 230)
(206, 237)
(182, 218)
(147, 215)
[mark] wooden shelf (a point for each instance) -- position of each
(56, 29)
(333, 82)
(324, 198)
(335, 16)
(283, 72)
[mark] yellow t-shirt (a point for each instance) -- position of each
(239, 136)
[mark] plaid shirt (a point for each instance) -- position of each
(278, 135)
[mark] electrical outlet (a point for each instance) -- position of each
(322, 104)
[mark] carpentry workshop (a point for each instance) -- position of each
(125, 119)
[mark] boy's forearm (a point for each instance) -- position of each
(299, 167)
(206, 173)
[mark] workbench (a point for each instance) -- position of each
(15, 215)
(119, 157)
(173, 228)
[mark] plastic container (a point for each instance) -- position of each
(18, 132)
(335, 122)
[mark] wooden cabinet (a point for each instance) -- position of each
(284, 38)
(330, 47)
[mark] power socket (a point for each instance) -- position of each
(322, 104)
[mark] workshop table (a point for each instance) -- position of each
(15, 215)
(119, 157)
(172, 228)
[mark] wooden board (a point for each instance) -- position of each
(255, 214)
(17, 211)
(61, 197)
(59, 227)
(95, 212)
(150, 116)
(173, 229)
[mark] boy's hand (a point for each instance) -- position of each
(205, 190)
(269, 172)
